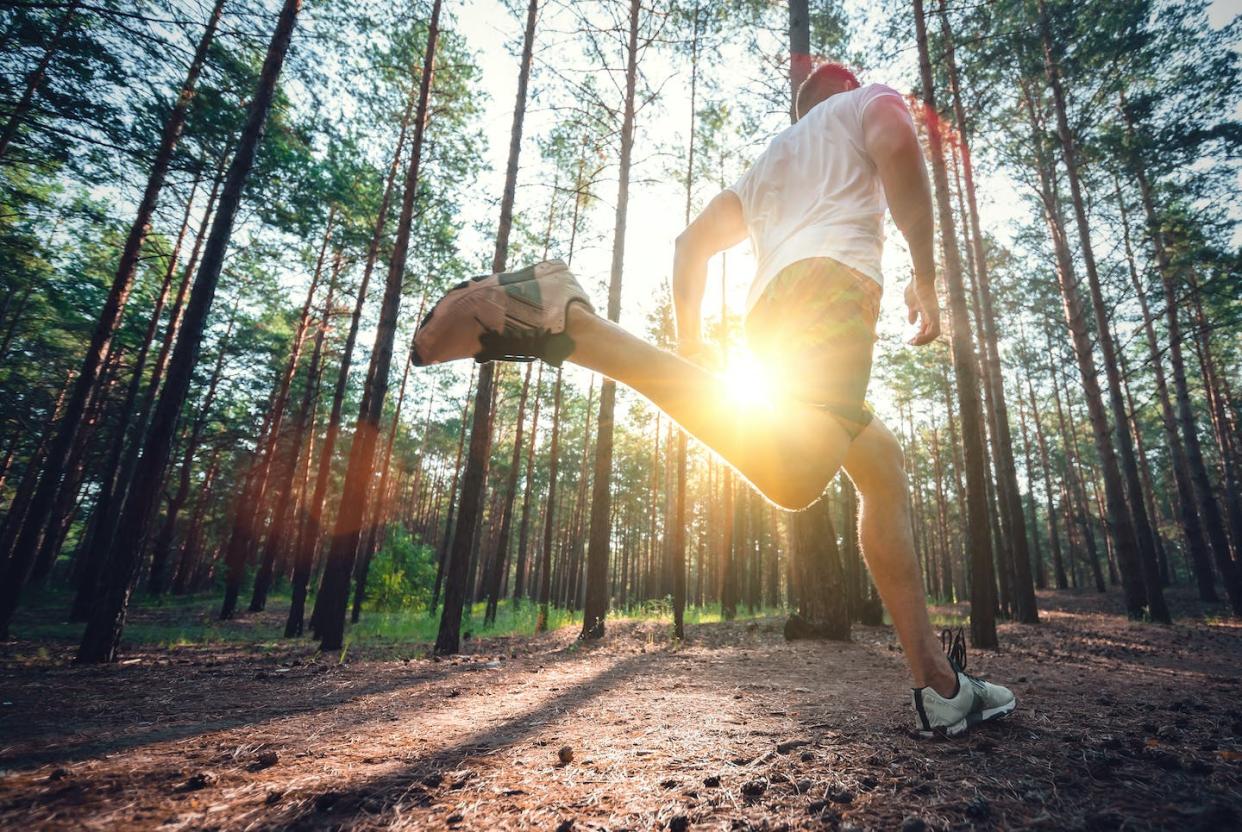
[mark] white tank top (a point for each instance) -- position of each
(816, 193)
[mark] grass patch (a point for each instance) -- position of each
(172, 622)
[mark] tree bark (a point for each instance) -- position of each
(379, 511)
(1209, 509)
(447, 536)
(1135, 549)
(162, 547)
(103, 632)
(309, 533)
(519, 577)
(982, 585)
(1192, 526)
(1025, 609)
(285, 481)
(500, 555)
(595, 604)
(474, 479)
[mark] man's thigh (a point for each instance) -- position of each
(814, 330)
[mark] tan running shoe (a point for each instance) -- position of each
(512, 316)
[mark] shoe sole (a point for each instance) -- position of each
(986, 715)
(960, 727)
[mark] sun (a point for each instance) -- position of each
(747, 382)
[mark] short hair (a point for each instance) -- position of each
(816, 87)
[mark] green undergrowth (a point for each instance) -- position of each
(172, 622)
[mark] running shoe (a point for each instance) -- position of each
(512, 316)
(975, 700)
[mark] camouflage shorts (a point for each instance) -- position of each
(813, 328)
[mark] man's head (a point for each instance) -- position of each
(828, 79)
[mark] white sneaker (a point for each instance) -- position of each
(975, 700)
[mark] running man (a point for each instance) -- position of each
(813, 206)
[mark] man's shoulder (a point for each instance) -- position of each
(872, 92)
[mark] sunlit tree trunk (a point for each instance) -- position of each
(284, 486)
(521, 568)
(247, 527)
(500, 555)
(343, 546)
(378, 520)
(447, 536)
(595, 603)
(162, 546)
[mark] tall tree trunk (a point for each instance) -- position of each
(1077, 490)
(309, 533)
(334, 589)
(500, 555)
(162, 547)
(1136, 554)
(595, 604)
(1209, 509)
(519, 576)
(119, 465)
(474, 479)
(799, 51)
(103, 632)
(26, 545)
(1226, 432)
(1054, 539)
(678, 542)
(1010, 495)
(1192, 526)
(1117, 517)
(447, 536)
(982, 585)
(188, 555)
(379, 511)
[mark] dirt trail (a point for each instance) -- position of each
(1119, 726)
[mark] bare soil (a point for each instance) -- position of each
(1119, 726)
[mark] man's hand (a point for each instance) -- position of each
(924, 309)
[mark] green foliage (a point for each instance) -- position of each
(402, 573)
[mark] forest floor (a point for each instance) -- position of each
(1119, 726)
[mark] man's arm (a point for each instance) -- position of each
(718, 227)
(892, 143)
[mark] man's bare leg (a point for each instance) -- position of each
(874, 463)
(788, 450)
(768, 443)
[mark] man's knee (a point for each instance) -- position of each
(882, 467)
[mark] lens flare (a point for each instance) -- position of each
(747, 382)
